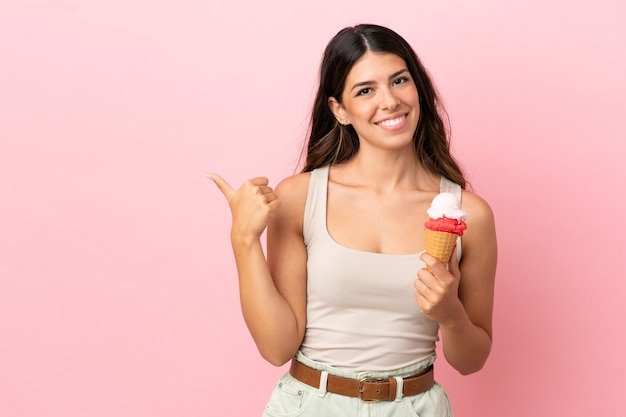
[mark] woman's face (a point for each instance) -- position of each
(380, 101)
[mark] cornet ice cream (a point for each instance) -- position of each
(445, 224)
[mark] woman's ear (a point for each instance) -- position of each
(338, 110)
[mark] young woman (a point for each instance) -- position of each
(344, 292)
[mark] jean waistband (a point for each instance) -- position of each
(408, 370)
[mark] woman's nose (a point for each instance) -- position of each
(388, 100)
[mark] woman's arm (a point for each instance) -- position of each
(272, 292)
(461, 298)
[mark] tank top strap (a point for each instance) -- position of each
(315, 207)
(448, 186)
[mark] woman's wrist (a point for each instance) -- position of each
(458, 320)
(241, 240)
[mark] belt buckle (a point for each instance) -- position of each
(371, 381)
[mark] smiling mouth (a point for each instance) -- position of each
(392, 122)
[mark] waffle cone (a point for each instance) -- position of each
(440, 244)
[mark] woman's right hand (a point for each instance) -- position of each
(251, 206)
(273, 288)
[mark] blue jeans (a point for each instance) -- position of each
(292, 398)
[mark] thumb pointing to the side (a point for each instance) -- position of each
(221, 183)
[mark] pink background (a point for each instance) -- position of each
(118, 294)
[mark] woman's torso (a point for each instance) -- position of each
(361, 310)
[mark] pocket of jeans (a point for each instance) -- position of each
(432, 403)
(287, 399)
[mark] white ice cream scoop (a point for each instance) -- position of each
(446, 205)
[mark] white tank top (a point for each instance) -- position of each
(361, 309)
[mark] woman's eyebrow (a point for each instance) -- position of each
(365, 83)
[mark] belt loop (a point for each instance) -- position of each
(399, 387)
(323, 383)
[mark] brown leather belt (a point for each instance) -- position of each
(367, 389)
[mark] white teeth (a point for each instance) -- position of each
(392, 122)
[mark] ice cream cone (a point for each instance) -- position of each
(440, 244)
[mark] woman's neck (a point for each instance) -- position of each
(387, 172)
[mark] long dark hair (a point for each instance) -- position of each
(329, 142)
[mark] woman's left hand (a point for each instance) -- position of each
(437, 293)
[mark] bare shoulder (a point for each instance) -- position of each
(480, 221)
(292, 193)
(297, 184)
(476, 208)
(293, 190)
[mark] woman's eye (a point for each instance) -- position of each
(364, 91)
(400, 80)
